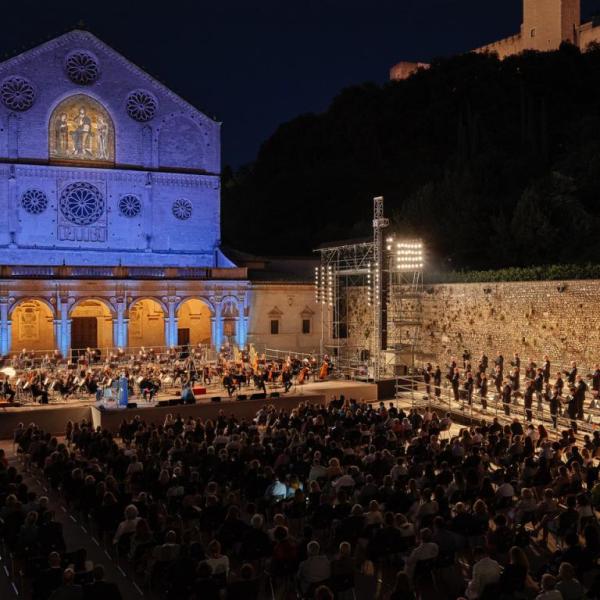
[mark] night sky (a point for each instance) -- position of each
(255, 64)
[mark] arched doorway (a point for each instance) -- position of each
(32, 326)
(91, 326)
(193, 324)
(230, 315)
(146, 324)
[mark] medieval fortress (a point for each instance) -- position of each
(546, 24)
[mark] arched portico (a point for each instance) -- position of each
(31, 326)
(90, 325)
(194, 322)
(146, 324)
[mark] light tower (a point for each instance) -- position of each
(379, 300)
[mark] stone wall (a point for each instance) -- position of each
(561, 319)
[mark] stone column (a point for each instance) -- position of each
(64, 327)
(171, 323)
(4, 327)
(124, 333)
(218, 318)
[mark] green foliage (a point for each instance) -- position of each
(492, 162)
(542, 273)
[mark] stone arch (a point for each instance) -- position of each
(91, 324)
(32, 325)
(80, 129)
(230, 314)
(181, 144)
(146, 323)
(194, 322)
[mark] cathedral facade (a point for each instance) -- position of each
(110, 228)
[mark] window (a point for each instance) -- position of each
(274, 326)
(306, 326)
(533, 32)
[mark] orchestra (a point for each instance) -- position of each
(37, 379)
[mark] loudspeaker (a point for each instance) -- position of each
(190, 400)
(174, 401)
(216, 399)
(274, 395)
(242, 397)
(162, 403)
(261, 396)
(132, 405)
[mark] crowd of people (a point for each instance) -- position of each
(534, 386)
(341, 501)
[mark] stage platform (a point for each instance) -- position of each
(53, 417)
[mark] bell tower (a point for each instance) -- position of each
(547, 23)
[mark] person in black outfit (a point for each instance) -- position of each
(499, 362)
(7, 391)
(571, 374)
(580, 390)
(546, 369)
(468, 387)
(538, 386)
(497, 378)
(437, 381)
(455, 382)
(427, 379)
(483, 388)
(555, 402)
(528, 400)
(572, 408)
(516, 361)
(483, 363)
(228, 384)
(286, 376)
(506, 396)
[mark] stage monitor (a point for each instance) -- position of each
(274, 395)
(132, 405)
(216, 399)
(162, 403)
(258, 396)
(242, 397)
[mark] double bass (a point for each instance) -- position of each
(324, 370)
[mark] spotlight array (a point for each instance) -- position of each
(324, 285)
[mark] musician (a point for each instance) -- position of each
(580, 390)
(571, 374)
(506, 397)
(39, 392)
(229, 385)
(538, 386)
(530, 369)
(546, 369)
(516, 361)
(559, 382)
(187, 395)
(206, 378)
(468, 388)
(596, 380)
(555, 404)
(466, 357)
(286, 376)
(427, 379)
(528, 400)
(437, 381)
(455, 383)
(7, 391)
(483, 388)
(482, 367)
(499, 363)
(572, 408)
(148, 389)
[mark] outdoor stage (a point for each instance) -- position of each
(53, 417)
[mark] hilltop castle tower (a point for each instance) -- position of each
(546, 24)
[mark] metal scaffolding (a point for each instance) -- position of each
(387, 276)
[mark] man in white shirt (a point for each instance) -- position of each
(486, 571)
(426, 550)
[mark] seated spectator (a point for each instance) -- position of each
(486, 572)
(69, 590)
(100, 589)
(315, 570)
(567, 584)
(425, 552)
(127, 526)
(515, 577)
(549, 591)
(246, 587)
